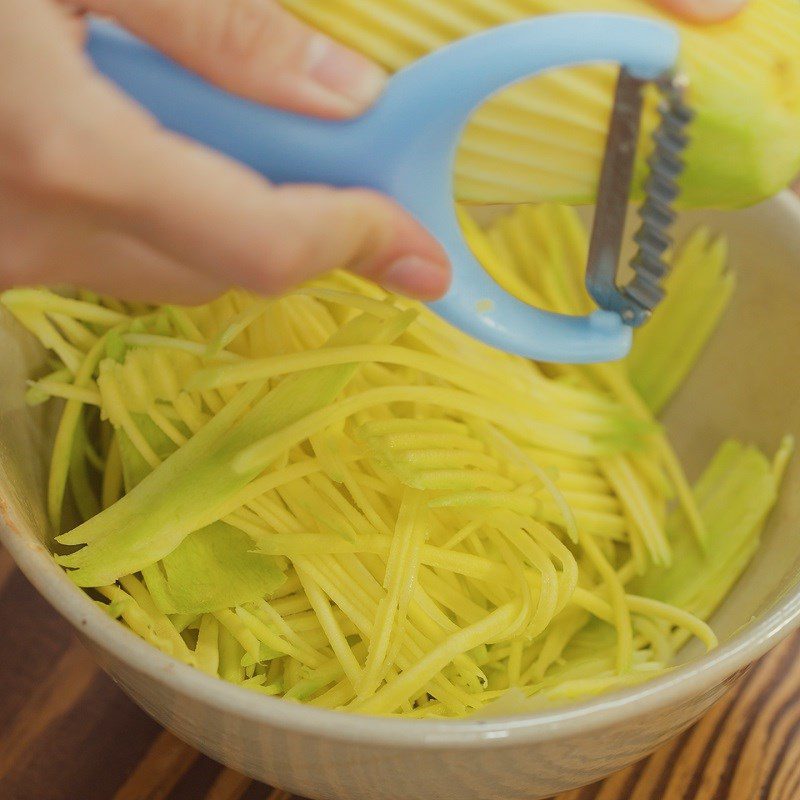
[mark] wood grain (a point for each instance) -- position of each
(68, 733)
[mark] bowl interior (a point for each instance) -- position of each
(746, 385)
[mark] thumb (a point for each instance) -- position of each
(254, 48)
(704, 10)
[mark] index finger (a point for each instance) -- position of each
(704, 10)
(221, 218)
(257, 49)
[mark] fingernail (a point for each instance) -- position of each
(345, 73)
(706, 10)
(721, 8)
(417, 277)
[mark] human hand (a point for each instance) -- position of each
(703, 10)
(94, 193)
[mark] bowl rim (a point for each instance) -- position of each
(684, 683)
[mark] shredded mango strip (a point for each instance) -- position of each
(543, 139)
(336, 498)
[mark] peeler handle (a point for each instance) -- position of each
(406, 144)
(282, 146)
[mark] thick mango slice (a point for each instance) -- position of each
(543, 140)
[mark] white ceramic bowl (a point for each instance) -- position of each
(747, 384)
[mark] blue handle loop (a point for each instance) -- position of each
(405, 146)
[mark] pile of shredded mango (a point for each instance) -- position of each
(336, 498)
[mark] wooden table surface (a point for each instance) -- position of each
(68, 733)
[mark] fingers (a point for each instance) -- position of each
(224, 221)
(52, 246)
(313, 229)
(99, 162)
(74, 14)
(257, 49)
(230, 225)
(117, 265)
(704, 10)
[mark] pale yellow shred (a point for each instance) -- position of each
(460, 530)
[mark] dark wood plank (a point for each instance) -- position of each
(159, 772)
(228, 785)
(7, 567)
(33, 637)
(206, 778)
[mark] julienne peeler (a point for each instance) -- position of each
(405, 147)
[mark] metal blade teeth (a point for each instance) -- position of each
(656, 213)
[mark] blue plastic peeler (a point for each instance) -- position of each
(405, 146)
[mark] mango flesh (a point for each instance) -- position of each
(543, 140)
